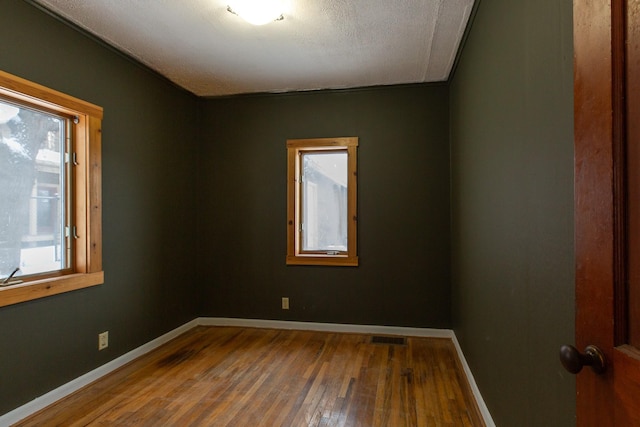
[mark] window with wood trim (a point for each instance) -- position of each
(322, 201)
(50, 192)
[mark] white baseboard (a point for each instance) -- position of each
(65, 390)
(484, 411)
(326, 327)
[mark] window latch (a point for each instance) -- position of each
(8, 281)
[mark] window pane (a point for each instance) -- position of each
(324, 201)
(32, 191)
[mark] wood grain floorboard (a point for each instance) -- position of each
(229, 376)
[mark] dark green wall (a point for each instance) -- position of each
(512, 208)
(149, 135)
(403, 207)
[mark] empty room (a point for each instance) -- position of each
(359, 212)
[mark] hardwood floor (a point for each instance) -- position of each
(229, 376)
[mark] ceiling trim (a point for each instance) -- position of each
(327, 90)
(463, 40)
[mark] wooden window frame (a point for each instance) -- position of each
(295, 147)
(86, 263)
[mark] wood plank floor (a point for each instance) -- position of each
(229, 376)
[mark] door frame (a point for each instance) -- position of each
(599, 123)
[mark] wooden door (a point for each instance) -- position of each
(607, 207)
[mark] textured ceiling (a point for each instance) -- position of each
(320, 44)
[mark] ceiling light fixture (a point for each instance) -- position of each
(258, 12)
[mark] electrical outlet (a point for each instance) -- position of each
(103, 340)
(285, 303)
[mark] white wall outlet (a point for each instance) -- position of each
(285, 303)
(103, 340)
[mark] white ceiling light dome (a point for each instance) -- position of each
(259, 12)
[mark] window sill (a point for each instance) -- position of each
(27, 291)
(331, 260)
